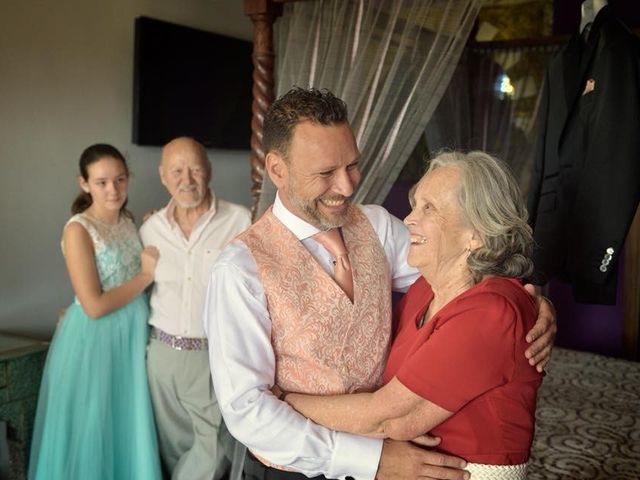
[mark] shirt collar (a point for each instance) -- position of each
(299, 227)
(171, 207)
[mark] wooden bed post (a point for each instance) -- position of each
(262, 13)
(631, 285)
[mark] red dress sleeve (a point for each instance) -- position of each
(466, 349)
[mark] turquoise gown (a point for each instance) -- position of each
(94, 418)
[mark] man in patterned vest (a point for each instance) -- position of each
(302, 300)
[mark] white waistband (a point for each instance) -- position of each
(481, 471)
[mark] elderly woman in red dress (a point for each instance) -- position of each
(457, 368)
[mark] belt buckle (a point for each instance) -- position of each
(173, 342)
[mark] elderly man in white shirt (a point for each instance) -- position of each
(275, 316)
(189, 232)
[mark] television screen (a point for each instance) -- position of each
(190, 82)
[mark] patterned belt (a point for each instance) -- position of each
(179, 343)
(497, 472)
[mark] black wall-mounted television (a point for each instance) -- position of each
(190, 82)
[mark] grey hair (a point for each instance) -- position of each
(492, 205)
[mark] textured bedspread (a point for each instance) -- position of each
(588, 419)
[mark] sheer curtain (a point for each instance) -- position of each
(491, 104)
(390, 61)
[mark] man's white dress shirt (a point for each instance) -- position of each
(184, 266)
(242, 360)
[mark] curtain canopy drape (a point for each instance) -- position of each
(390, 61)
(491, 104)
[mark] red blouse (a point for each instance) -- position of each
(469, 359)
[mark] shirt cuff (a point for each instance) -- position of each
(355, 457)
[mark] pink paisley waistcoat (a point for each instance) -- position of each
(323, 343)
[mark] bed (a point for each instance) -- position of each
(588, 419)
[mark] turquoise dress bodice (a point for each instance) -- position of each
(117, 249)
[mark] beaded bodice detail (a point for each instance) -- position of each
(117, 249)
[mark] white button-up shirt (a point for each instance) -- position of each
(182, 273)
(242, 360)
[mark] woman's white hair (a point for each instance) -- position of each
(492, 205)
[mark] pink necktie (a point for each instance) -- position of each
(332, 241)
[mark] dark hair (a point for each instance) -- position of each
(299, 104)
(91, 155)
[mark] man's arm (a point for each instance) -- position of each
(243, 370)
(543, 333)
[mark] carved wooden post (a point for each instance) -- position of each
(631, 283)
(262, 13)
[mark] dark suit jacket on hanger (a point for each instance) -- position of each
(586, 179)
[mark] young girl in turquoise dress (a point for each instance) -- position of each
(94, 418)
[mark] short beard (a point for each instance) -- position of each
(188, 205)
(193, 204)
(317, 219)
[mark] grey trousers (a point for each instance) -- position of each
(194, 443)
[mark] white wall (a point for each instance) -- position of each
(66, 73)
